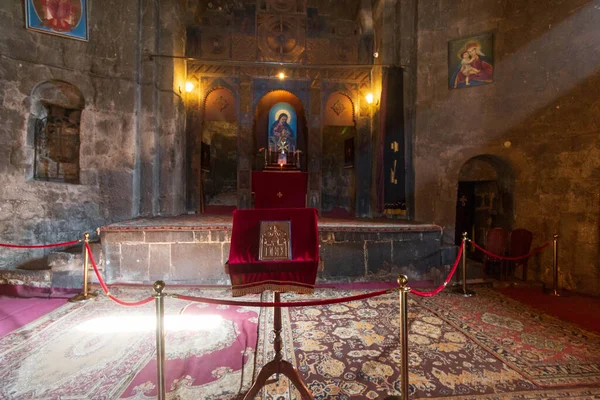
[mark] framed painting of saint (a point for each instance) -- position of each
(282, 128)
(67, 18)
(471, 61)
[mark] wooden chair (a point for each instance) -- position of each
(495, 242)
(519, 245)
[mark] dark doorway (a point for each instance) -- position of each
(465, 211)
(484, 200)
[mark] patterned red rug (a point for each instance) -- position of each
(101, 350)
(486, 347)
(213, 361)
(351, 350)
(548, 351)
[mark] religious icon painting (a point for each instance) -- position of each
(471, 61)
(282, 128)
(349, 153)
(67, 18)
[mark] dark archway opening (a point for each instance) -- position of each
(484, 200)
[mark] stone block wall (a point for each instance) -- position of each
(540, 116)
(191, 257)
(373, 256)
(122, 92)
(199, 256)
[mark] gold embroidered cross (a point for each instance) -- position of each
(463, 200)
(280, 195)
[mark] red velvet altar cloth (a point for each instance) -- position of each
(250, 275)
(279, 189)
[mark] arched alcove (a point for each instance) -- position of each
(54, 122)
(218, 148)
(338, 190)
(262, 125)
(485, 197)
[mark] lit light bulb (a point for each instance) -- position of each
(189, 86)
(369, 98)
(281, 76)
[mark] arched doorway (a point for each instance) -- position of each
(485, 198)
(218, 150)
(338, 193)
(263, 126)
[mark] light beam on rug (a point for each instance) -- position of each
(146, 323)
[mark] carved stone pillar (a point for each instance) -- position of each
(315, 145)
(245, 145)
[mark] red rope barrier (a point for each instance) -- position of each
(512, 258)
(39, 246)
(105, 288)
(131, 303)
(283, 304)
(442, 286)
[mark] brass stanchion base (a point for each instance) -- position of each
(79, 298)
(555, 293)
(467, 293)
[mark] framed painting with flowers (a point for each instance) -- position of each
(67, 18)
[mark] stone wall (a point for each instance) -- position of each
(198, 256)
(127, 98)
(339, 186)
(539, 117)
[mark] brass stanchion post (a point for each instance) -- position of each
(159, 296)
(85, 295)
(463, 289)
(555, 267)
(404, 290)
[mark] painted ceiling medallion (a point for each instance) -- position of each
(282, 6)
(281, 38)
(217, 44)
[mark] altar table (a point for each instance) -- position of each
(285, 189)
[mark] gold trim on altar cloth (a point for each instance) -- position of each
(275, 241)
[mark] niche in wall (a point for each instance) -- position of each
(56, 117)
(219, 148)
(338, 172)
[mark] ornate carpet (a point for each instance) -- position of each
(486, 347)
(100, 350)
(351, 350)
(546, 350)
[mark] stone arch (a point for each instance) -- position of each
(54, 126)
(338, 177)
(218, 149)
(226, 111)
(485, 197)
(339, 110)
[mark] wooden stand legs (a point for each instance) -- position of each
(278, 365)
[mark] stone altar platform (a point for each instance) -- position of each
(192, 249)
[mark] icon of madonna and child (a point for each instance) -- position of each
(282, 132)
(472, 65)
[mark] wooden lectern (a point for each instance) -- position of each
(298, 274)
